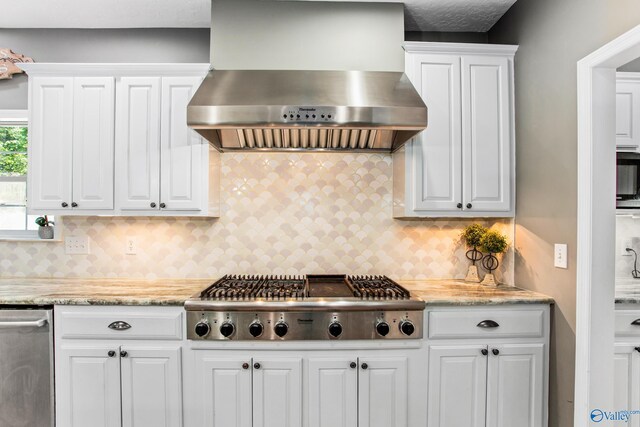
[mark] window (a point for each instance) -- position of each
(14, 221)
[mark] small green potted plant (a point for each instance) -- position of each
(45, 229)
(493, 242)
(472, 236)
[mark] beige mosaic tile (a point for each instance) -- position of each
(281, 214)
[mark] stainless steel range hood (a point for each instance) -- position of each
(288, 110)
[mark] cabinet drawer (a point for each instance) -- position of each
(139, 323)
(497, 323)
(624, 323)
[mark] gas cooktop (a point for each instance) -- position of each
(312, 307)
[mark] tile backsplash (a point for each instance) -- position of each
(281, 214)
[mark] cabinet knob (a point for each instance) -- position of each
(469, 205)
(163, 205)
(74, 205)
(245, 365)
(111, 353)
(637, 349)
(353, 365)
(153, 205)
(123, 353)
(256, 365)
(64, 204)
(495, 351)
(484, 351)
(459, 205)
(364, 366)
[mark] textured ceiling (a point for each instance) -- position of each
(420, 15)
(454, 15)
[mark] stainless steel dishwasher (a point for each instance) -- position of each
(26, 367)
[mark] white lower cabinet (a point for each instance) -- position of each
(113, 379)
(497, 375)
(626, 366)
(333, 392)
(383, 392)
(87, 386)
(457, 386)
(311, 389)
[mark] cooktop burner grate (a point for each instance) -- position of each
(274, 288)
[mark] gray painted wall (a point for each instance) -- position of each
(553, 35)
(450, 37)
(307, 35)
(130, 45)
(633, 66)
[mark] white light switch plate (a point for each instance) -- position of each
(560, 255)
(76, 245)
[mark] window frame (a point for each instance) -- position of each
(17, 118)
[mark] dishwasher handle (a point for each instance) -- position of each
(10, 324)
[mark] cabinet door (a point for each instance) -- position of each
(383, 392)
(184, 155)
(515, 389)
(277, 389)
(626, 393)
(88, 386)
(457, 386)
(50, 143)
(436, 153)
(333, 392)
(151, 387)
(223, 391)
(138, 143)
(627, 115)
(93, 142)
(486, 134)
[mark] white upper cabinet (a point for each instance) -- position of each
(93, 133)
(463, 164)
(138, 143)
(50, 143)
(628, 111)
(112, 139)
(184, 153)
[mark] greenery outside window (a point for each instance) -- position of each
(14, 221)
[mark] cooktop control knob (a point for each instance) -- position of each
(382, 328)
(227, 329)
(256, 329)
(407, 327)
(202, 328)
(335, 329)
(281, 329)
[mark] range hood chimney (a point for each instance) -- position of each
(343, 89)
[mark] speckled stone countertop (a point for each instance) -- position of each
(176, 291)
(98, 291)
(459, 292)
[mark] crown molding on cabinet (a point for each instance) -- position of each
(460, 48)
(114, 70)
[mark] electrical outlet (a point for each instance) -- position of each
(132, 246)
(76, 245)
(560, 255)
(626, 243)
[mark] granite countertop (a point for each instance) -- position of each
(23, 291)
(627, 291)
(98, 291)
(459, 292)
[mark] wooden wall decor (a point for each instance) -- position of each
(8, 61)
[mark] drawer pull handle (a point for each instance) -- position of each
(487, 324)
(636, 322)
(119, 326)
(24, 324)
